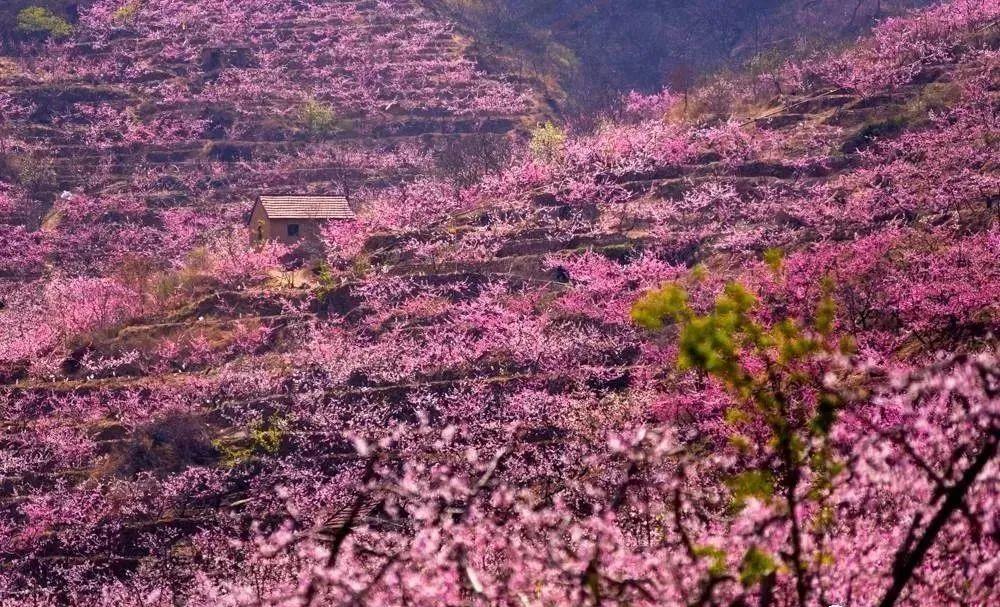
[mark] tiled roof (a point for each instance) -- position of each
(306, 207)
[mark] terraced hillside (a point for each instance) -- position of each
(165, 108)
(488, 396)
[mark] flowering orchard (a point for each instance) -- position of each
(164, 118)
(669, 361)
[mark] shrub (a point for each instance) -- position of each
(260, 440)
(934, 97)
(230, 259)
(167, 445)
(138, 274)
(547, 142)
(466, 160)
(35, 174)
(637, 106)
(74, 306)
(39, 21)
(127, 12)
(317, 118)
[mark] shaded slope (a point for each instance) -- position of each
(595, 51)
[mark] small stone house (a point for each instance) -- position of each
(295, 220)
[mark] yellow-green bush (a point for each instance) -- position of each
(260, 440)
(318, 118)
(39, 21)
(547, 142)
(128, 11)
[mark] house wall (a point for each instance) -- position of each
(256, 218)
(277, 230)
(309, 231)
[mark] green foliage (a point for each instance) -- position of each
(826, 414)
(739, 443)
(128, 11)
(39, 21)
(547, 142)
(714, 342)
(756, 566)
(318, 118)
(324, 274)
(824, 520)
(326, 279)
(656, 307)
(774, 258)
(752, 483)
(735, 416)
(717, 559)
(777, 375)
(267, 440)
(260, 440)
(706, 342)
(847, 345)
(361, 265)
(826, 311)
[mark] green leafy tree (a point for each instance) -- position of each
(775, 375)
(39, 21)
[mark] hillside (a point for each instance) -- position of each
(732, 347)
(588, 53)
(163, 110)
(584, 55)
